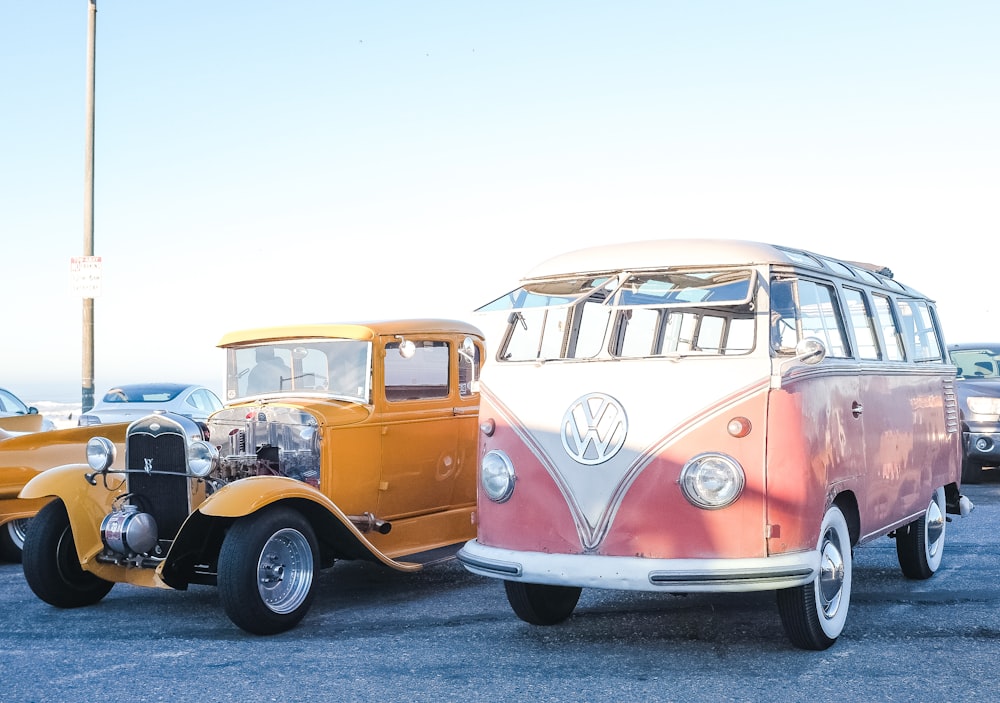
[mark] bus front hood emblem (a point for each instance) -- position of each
(594, 428)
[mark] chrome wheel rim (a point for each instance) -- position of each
(17, 529)
(285, 571)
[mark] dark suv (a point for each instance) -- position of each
(978, 388)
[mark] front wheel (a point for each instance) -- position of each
(267, 567)
(814, 614)
(540, 604)
(920, 545)
(51, 565)
(12, 539)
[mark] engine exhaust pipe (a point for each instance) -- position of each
(367, 522)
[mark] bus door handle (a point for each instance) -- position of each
(857, 408)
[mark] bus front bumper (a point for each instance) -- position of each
(642, 574)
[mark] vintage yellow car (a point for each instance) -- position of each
(22, 456)
(338, 441)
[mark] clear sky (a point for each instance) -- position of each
(265, 163)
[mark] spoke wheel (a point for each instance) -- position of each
(267, 568)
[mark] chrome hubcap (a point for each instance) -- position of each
(831, 574)
(934, 526)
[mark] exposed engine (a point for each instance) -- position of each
(266, 441)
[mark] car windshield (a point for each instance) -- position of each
(340, 368)
(145, 393)
(976, 362)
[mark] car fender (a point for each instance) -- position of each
(247, 496)
(86, 503)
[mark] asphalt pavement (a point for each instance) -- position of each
(376, 635)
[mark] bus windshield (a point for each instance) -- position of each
(631, 314)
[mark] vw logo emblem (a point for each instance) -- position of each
(594, 428)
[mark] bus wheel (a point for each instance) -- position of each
(814, 614)
(920, 545)
(51, 565)
(539, 604)
(267, 567)
(12, 539)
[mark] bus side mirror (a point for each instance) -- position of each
(809, 351)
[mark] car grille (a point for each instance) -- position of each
(156, 458)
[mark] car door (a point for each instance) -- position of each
(421, 428)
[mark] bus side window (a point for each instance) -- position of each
(639, 332)
(920, 330)
(886, 321)
(821, 317)
(862, 323)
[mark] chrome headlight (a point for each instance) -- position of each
(497, 476)
(712, 481)
(984, 406)
(100, 453)
(202, 458)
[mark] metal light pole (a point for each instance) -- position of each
(88, 211)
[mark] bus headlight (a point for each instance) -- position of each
(712, 481)
(497, 476)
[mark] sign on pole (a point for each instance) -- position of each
(86, 274)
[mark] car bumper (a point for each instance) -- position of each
(642, 574)
(982, 447)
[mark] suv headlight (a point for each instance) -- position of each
(497, 476)
(984, 406)
(712, 481)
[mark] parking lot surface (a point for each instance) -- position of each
(444, 634)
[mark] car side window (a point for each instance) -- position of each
(469, 367)
(203, 400)
(419, 376)
(10, 404)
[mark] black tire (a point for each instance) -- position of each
(12, 539)
(971, 472)
(814, 614)
(51, 565)
(267, 570)
(920, 545)
(540, 604)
